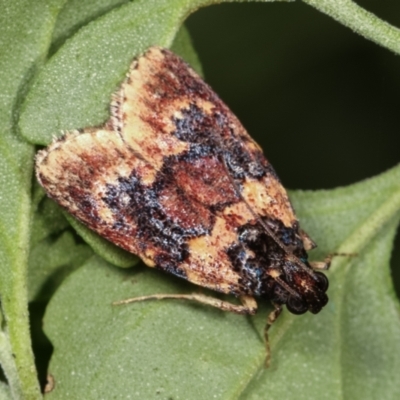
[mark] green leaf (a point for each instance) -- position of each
(75, 87)
(76, 14)
(169, 348)
(166, 349)
(361, 21)
(54, 252)
(25, 31)
(177, 349)
(5, 393)
(51, 261)
(48, 219)
(109, 251)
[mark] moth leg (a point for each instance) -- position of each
(272, 317)
(308, 243)
(324, 265)
(249, 305)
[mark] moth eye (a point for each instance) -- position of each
(296, 305)
(322, 281)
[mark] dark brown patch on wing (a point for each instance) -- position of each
(256, 254)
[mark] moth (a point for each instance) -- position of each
(175, 178)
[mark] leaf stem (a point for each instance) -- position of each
(16, 354)
(361, 21)
(8, 365)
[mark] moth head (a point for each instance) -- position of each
(300, 289)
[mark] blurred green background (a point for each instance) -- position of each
(323, 102)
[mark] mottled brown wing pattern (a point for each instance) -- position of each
(76, 172)
(165, 109)
(99, 180)
(175, 178)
